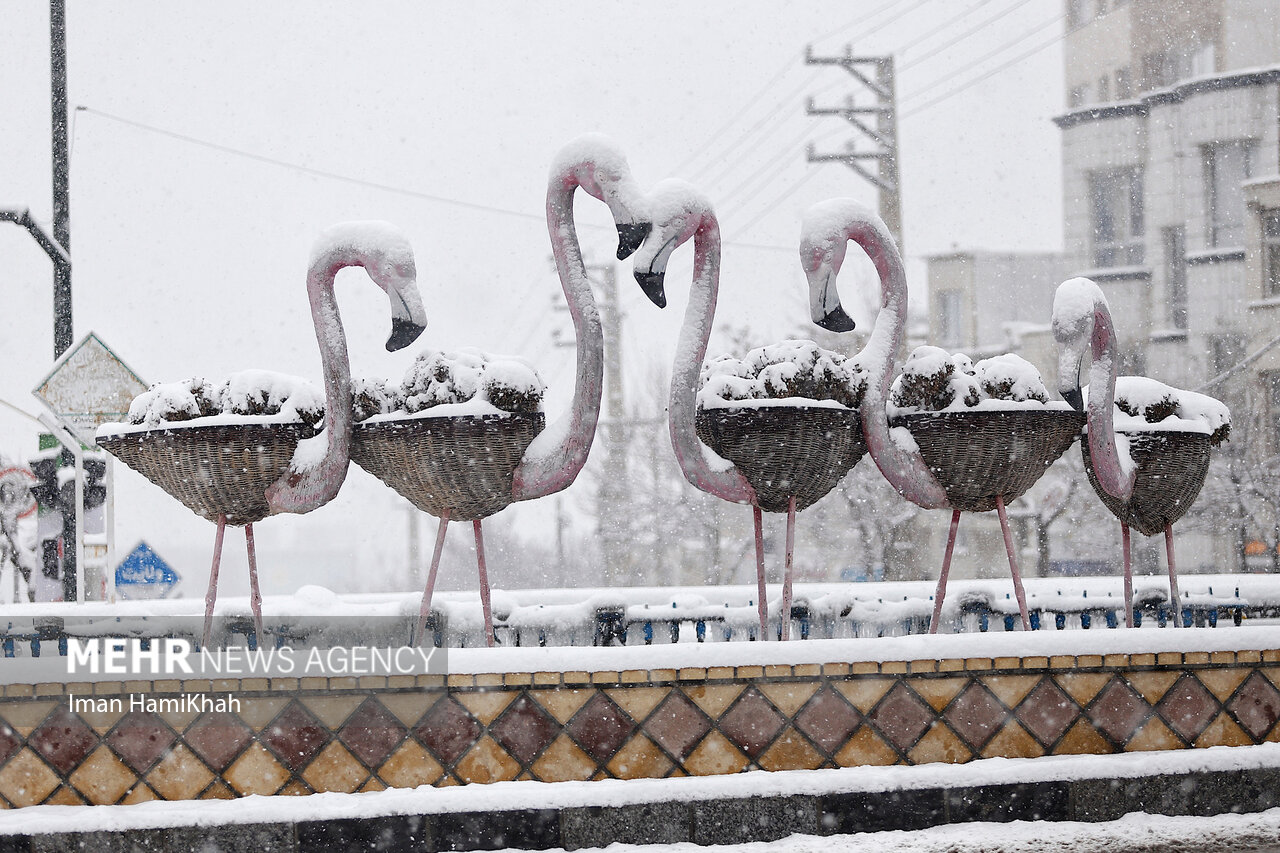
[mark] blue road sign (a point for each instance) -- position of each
(143, 574)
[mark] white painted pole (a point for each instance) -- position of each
(109, 519)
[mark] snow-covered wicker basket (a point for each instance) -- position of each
(978, 456)
(223, 469)
(1172, 466)
(785, 450)
(462, 464)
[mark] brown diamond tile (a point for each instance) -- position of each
(25, 716)
(331, 710)
(600, 727)
(1083, 739)
(261, 710)
(410, 766)
(976, 716)
(866, 747)
(939, 744)
(828, 720)
(564, 761)
(295, 736)
(1118, 711)
(938, 692)
(715, 755)
(713, 698)
(371, 733)
(752, 722)
(677, 724)
(1011, 689)
(409, 707)
(140, 793)
(1152, 686)
(217, 738)
(373, 784)
(791, 751)
(1222, 682)
(447, 730)
(10, 743)
(102, 717)
(26, 780)
(102, 778)
(218, 791)
(788, 696)
(140, 739)
(486, 705)
(864, 693)
(1223, 731)
(1256, 705)
(1082, 686)
(1012, 741)
(487, 762)
(1047, 712)
(901, 717)
(563, 704)
(63, 740)
(65, 796)
(1154, 735)
(640, 758)
(335, 769)
(256, 771)
(638, 702)
(1188, 707)
(525, 729)
(296, 788)
(180, 775)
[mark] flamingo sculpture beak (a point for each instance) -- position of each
(652, 285)
(630, 236)
(1075, 398)
(837, 321)
(403, 333)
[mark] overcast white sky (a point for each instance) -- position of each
(190, 259)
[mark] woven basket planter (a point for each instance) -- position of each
(1171, 471)
(785, 450)
(978, 456)
(461, 464)
(213, 470)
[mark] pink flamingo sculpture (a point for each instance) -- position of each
(318, 465)
(551, 462)
(1154, 481)
(681, 213)
(828, 227)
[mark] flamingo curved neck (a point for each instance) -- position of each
(905, 469)
(310, 484)
(1107, 467)
(696, 461)
(554, 459)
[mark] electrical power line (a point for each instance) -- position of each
(861, 20)
(964, 35)
(939, 28)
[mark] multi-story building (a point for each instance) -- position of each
(1171, 170)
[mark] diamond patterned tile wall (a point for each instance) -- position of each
(370, 734)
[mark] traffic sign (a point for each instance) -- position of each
(88, 386)
(143, 574)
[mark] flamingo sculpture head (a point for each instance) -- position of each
(828, 228)
(594, 163)
(1082, 321)
(320, 464)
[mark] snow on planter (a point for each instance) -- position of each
(788, 373)
(1145, 405)
(258, 396)
(933, 380)
(446, 384)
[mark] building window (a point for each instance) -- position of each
(1116, 204)
(1154, 67)
(1104, 88)
(1227, 165)
(1175, 275)
(1270, 254)
(1124, 84)
(949, 318)
(1271, 396)
(1225, 352)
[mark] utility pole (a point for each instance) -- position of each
(62, 335)
(875, 75)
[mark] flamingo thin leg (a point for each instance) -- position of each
(1128, 577)
(425, 608)
(787, 566)
(1173, 577)
(1013, 564)
(484, 584)
(762, 601)
(941, 592)
(255, 596)
(213, 581)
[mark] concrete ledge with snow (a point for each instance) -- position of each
(599, 714)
